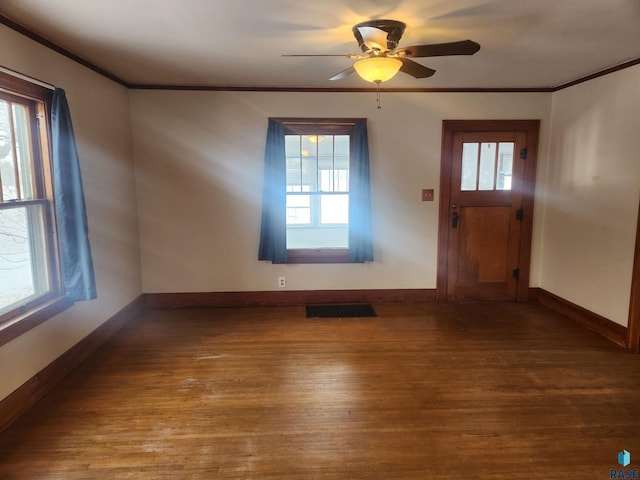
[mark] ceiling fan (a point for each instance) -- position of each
(381, 58)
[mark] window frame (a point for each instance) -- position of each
(319, 127)
(37, 310)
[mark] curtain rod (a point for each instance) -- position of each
(317, 121)
(13, 73)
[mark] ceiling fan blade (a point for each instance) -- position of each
(346, 55)
(464, 47)
(415, 69)
(344, 73)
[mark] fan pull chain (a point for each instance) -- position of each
(378, 95)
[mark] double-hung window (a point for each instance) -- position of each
(29, 267)
(316, 192)
(317, 186)
(45, 256)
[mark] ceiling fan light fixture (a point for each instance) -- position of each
(378, 69)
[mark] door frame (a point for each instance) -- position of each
(449, 127)
(633, 327)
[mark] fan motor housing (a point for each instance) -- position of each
(394, 30)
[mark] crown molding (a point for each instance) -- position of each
(62, 51)
(213, 88)
(601, 73)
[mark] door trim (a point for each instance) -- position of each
(449, 127)
(633, 327)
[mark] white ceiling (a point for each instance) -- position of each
(524, 43)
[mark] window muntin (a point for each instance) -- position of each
(28, 264)
(317, 185)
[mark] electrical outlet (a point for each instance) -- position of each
(281, 282)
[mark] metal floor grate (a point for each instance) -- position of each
(338, 311)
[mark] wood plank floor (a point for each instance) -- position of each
(419, 392)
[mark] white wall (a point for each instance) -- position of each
(101, 117)
(590, 193)
(199, 164)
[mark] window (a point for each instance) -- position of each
(324, 190)
(317, 185)
(487, 166)
(45, 256)
(29, 271)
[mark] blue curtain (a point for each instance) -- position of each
(273, 240)
(360, 232)
(71, 217)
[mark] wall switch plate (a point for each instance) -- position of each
(281, 282)
(427, 195)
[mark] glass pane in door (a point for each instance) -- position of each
(505, 165)
(469, 176)
(487, 166)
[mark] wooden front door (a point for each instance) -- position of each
(486, 209)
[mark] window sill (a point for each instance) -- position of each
(322, 255)
(20, 324)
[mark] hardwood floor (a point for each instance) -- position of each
(481, 391)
